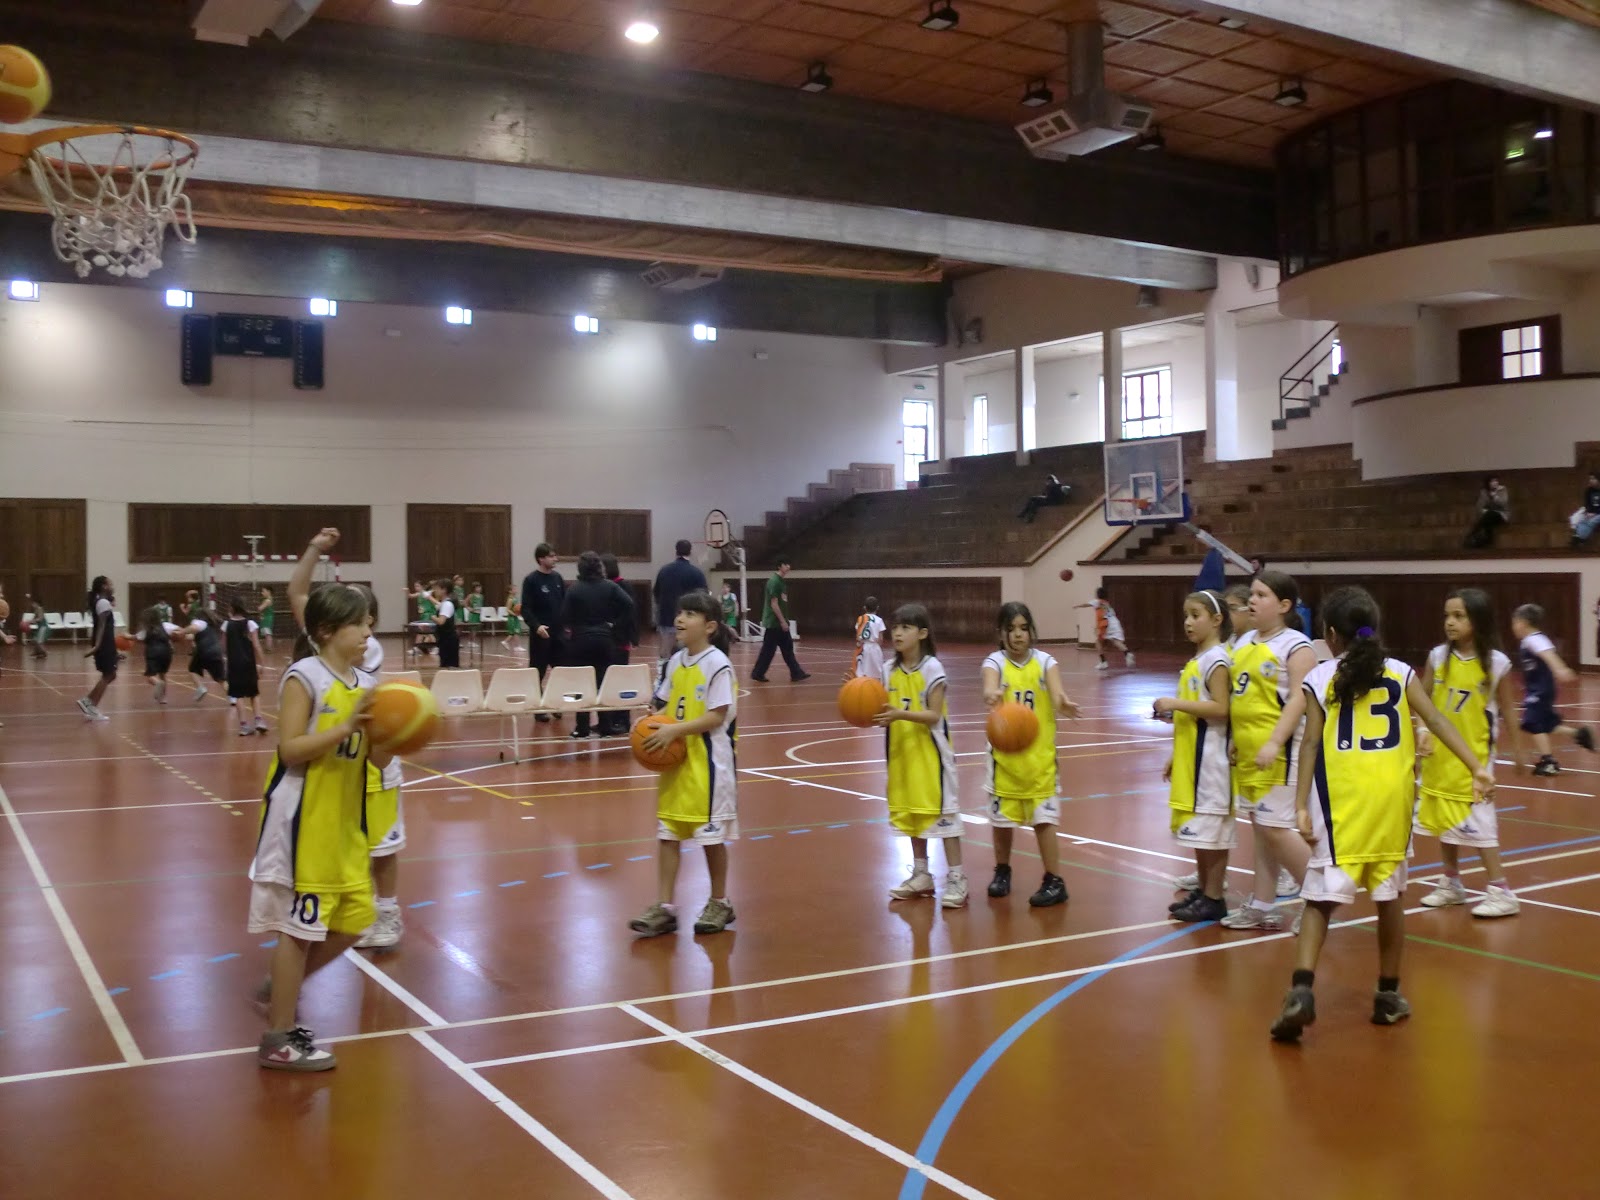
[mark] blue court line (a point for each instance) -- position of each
(422, 904)
(760, 837)
(116, 991)
(269, 945)
(555, 875)
(597, 866)
(792, 832)
(49, 1012)
(846, 825)
(166, 974)
(222, 958)
(514, 883)
(939, 1127)
(1506, 854)
(640, 858)
(473, 892)
(1513, 808)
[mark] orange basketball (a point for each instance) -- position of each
(1012, 727)
(656, 760)
(24, 85)
(861, 699)
(405, 718)
(124, 642)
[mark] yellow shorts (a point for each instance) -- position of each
(386, 822)
(1006, 812)
(310, 916)
(919, 823)
(704, 833)
(1330, 884)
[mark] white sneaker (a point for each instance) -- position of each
(1102, 665)
(1248, 916)
(1449, 891)
(86, 708)
(1295, 928)
(918, 883)
(1497, 902)
(1288, 889)
(955, 892)
(384, 932)
(1127, 659)
(199, 692)
(1187, 883)
(161, 691)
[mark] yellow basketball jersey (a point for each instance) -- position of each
(1365, 776)
(1465, 693)
(1028, 774)
(313, 834)
(1260, 678)
(1200, 774)
(922, 769)
(701, 788)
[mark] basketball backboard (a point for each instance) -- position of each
(1144, 482)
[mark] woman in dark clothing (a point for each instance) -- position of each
(615, 724)
(593, 610)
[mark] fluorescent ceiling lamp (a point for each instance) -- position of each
(456, 315)
(1037, 95)
(1542, 134)
(643, 32)
(1231, 22)
(324, 308)
(1291, 94)
(705, 333)
(585, 324)
(817, 78)
(941, 16)
(178, 298)
(408, 3)
(23, 289)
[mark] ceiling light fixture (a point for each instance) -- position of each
(178, 298)
(1152, 140)
(1231, 22)
(456, 315)
(321, 307)
(817, 78)
(642, 32)
(1037, 95)
(582, 323)
(23, 289)
(1542, 134)
(704, 333)
(942, 15)
(408, 3)
(1291, 93)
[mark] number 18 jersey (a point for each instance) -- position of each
(1030, 773)
(1365, 775)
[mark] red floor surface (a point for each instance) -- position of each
(521, 1042)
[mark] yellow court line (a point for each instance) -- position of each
(477, 787)
(226, 805)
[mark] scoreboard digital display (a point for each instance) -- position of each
(254, 336)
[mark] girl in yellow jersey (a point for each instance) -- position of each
(311, 884)
(923, 802)
(696, 801)
(1023, 786)
(1361, 757)
(1201, 798)
(1269, 664)
(1470, 682)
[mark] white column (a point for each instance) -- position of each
(1026, 399)
(941, 413)
(1222, 384)
(1111, 368)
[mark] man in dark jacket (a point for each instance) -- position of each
(674, 581)
(542, 591)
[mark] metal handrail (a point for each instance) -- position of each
(1290, 383)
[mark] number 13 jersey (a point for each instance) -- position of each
(313, 834)
(1365, 776)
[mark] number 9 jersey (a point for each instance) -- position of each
(314, 823)
(1366, 774)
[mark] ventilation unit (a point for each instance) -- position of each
(1092, 118)
(680, 277)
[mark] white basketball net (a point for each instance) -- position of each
(113, 196)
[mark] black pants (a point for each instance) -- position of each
(449, 643)
(1034, 504)
(615, 723)
(590, 650)
(543, 653)
(772, 642)
(1483, 531)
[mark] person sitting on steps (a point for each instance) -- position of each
(1055, 495)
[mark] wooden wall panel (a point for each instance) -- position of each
(189, 533)
(43, 553)
(963, 607)
(473, 540)
(1151, 607)
(623, 532)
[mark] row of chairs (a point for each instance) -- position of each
(72, 624)
(514, 692)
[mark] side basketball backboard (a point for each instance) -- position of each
(1144, 482)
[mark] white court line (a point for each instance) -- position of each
(831, 1119)
(69, 934)
(569, 1157)
(796, 762)
(1517, 787)
(394, 988)
(116, 808)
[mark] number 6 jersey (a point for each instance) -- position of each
(1365, 775)
(313, 834)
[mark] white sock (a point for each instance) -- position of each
(388, 904)
(1263, 905)
(919, 866)
(957, 873)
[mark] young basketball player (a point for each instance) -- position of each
(40, 629)
(1269, 665)
(1107, 630)
(156, 634)
(311, 884)
(427, 609)
(445, 634)
(1358, 736)
(730, 611)
(1542, 669)
(244, 668)
(102, 645)
(923, 801)
(266, 616)
(696, 800)
(513, 621)
(1469, 681)
(472, 612)
(1237, 600)
(869, 640)
(1201, 796)
(1023, 786)
(204, 632)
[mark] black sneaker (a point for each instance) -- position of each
(1000, 885)
(1584, 737)
(1201, 908)
(804, 675)
(1299, 1011)
(1189, 898)
(1547, 766)
(758, 679)
(1051, 892)
(1389, 1008)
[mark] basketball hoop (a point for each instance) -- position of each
(717, 531)
(113, 190)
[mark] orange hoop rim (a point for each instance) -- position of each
(23, 145)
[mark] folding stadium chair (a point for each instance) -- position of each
(569, 689)
(459, 692)
(73, 624)
(512, 692)
(627, 687)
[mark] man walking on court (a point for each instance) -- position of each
(775, 635)
(542, 592)
(673, 582)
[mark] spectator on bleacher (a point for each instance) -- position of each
(1587, 519)
(1055, 495)
(673, 582)
(615, 724)
(775, 633)
(542, 590)
(594, 609)
(1494, 510)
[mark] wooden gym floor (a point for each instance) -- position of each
(521, 1042)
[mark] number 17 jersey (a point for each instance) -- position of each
(1365, 774)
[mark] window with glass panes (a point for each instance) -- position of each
(916, 425)
(980, 424)
(1521, 354)
(1147, 403)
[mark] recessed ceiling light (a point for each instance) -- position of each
(408, 3)
(817, 78)
(23, 289)
(1291, 94)
(1153, 140)
(585, 324)
(1037, 95)
(643, 32)
(1542, 134)
(321, 307)
(942, 15)
(1231, 22)
(704, 333)
(456, 315)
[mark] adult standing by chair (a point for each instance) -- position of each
(674, 581)
(615, 724)
(775, 633)
(542, 591)
(594, 609)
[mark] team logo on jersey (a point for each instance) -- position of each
(328, 710)
(700, 691)
(709, 829)
(1269, 669)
